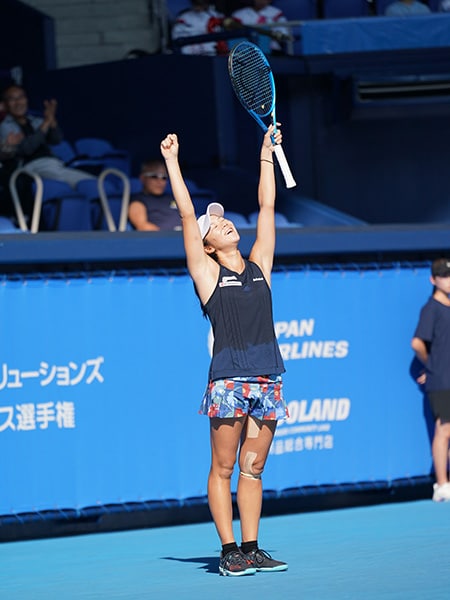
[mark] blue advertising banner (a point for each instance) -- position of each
(101, 379)
(356, 412)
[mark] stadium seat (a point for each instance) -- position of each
(135, 185)
(239, 220)
(63, 208)
(341, 9)
(103, 151)
(17, 178)
(301, 10)
(66, 152)
(176, 6)
(105, 202)
(200, 197)
(297, 11)
(56, 207)
(7, 226)
(114, 206)
(280, 220)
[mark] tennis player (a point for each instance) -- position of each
(244, 396)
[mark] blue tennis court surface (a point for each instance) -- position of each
(378, 552)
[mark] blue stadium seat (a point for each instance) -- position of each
(114, 206)
(239, 220)
(63, 208)
(280, 220)
(176, 6)
(341, 9)
(200, 197)
(64, 151)
(7, 226)
(89, 188)
(300, 10)
(297, 10)
(310, 213)
(135, 185)
(103, 151)
(56, 205)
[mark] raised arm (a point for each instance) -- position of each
(264, 246)
(31, 143)
(46, 131)
(201, 267)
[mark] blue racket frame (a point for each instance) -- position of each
(254, 85)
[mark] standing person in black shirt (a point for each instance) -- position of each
(431, 343)
(244, 395)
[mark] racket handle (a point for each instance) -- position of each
(282, 161)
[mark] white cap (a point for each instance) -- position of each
(204, 222)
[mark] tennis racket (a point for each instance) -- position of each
(252, 80)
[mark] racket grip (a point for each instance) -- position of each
(282, 161)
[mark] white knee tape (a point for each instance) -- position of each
(248, 466)
(249, 475)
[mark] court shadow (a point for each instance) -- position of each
(209, 564)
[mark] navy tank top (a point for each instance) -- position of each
(240, 312)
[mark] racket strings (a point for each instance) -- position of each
(251, 78)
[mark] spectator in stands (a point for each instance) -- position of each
(201, 19)
(6, 166)
(153, 209)
(406, 8)
(244, 397)
(431, 343)
(25, 139)
(261, 14)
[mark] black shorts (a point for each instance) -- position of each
(440, 405)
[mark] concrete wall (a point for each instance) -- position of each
(96, 31)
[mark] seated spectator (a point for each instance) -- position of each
(153, 209)
(262, 13)
(25, 139)
(201, 19)
(406, 8)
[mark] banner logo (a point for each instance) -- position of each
(309, 426)
(294, 350)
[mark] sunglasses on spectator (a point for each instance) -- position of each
(156, 175)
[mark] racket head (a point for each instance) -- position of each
(252, 79)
